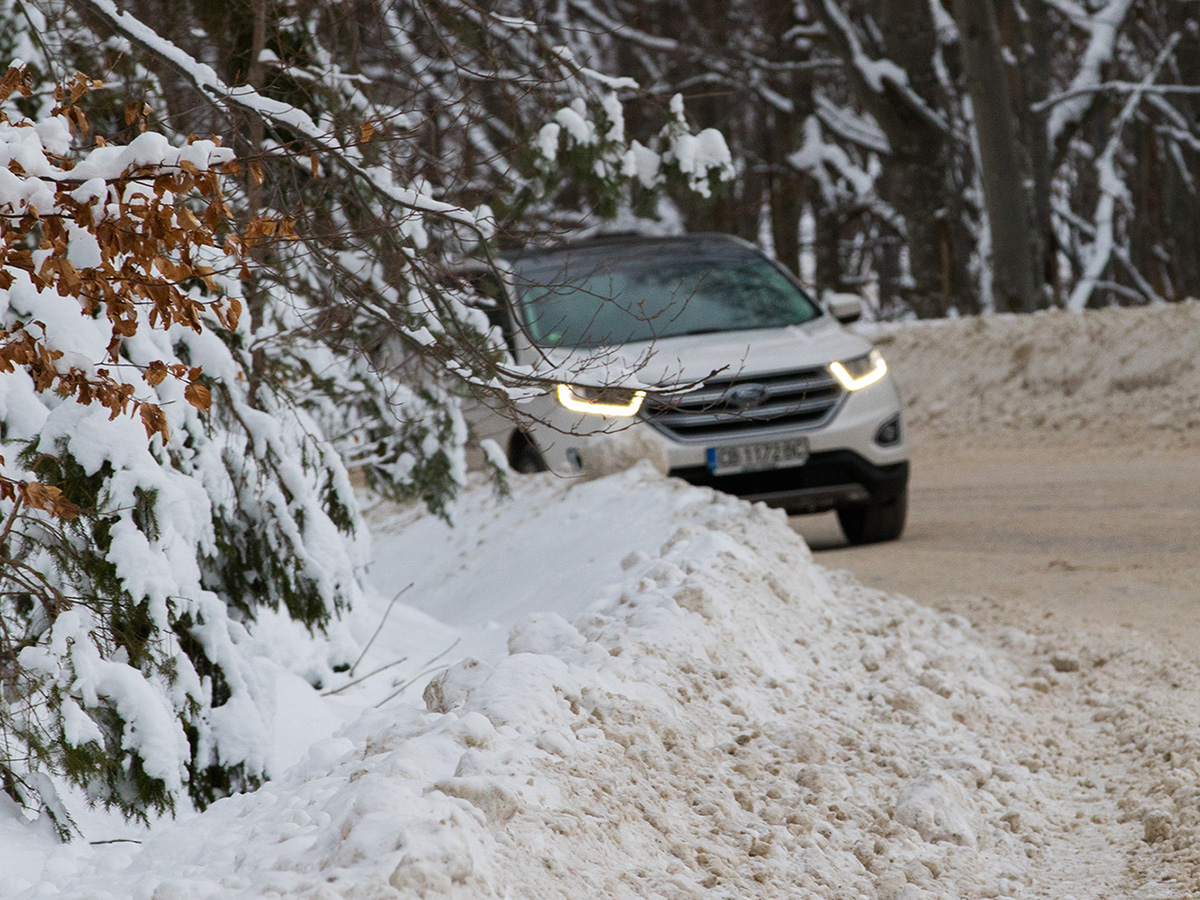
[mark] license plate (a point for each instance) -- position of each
(758, 457)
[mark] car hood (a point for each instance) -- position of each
(688, 359)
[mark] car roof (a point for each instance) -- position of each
(692, 243)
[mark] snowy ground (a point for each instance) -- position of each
(634, 688)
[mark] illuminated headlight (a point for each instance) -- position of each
(861, 371)
(604, 401)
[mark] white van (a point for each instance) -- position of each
(707, 349)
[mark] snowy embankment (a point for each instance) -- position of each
(726, 719)
(634, 688)
(723, 719)
(1128, 374)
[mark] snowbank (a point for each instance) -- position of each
(1124, 373)
(722, 718)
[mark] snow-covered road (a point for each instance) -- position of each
(1096, 534)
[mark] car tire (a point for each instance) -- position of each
(875, 520)
(525, 457)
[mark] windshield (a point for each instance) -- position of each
(620, 294)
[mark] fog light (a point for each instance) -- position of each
(889, 432)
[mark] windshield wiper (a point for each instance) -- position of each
(697, 331)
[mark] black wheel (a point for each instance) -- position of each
(875, 520)
(525, 457)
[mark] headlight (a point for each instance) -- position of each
(860, 371)
(600, 401)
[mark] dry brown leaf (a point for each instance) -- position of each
(198, 395)
(188, 218)
(48, 499)
(155, 373)
(154, 421)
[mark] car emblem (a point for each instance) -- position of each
(747, 396)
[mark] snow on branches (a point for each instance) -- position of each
(592, 145)
(149, 506)
(109, 233)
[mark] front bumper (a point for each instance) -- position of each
(828, 480)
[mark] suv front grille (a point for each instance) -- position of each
(781, 401)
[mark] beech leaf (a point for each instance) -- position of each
(155, 373)
(198, 395)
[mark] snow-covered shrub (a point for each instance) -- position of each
(150, 504)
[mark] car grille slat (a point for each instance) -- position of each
(794, 400)
(785, 385)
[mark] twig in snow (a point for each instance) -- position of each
(429, 667)
(350, 684)
(400, 593)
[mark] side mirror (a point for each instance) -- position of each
(846, 308)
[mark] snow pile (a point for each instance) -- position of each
(801, 735)
(723, 718)
(1123, 372)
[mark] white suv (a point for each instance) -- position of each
(791, 408)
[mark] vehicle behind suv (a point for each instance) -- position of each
(716, 353)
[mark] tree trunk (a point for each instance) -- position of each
(787, 194)
(916, 184)
(830, 273)
(915, 188)
(786, 184)
(1006, 180)
(1027, 30)
(1182, 177)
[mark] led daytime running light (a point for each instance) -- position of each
(850, 383)
(572, 401)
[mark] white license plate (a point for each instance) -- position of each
(758, 457)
